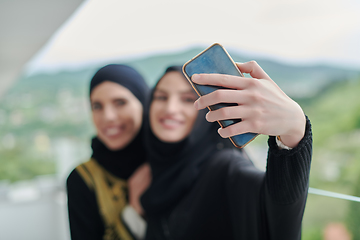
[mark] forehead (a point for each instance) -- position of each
(110, 90)
(174, 82)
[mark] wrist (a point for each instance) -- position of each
(294, 136)
(280, 144)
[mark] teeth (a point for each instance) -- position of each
(171, 122)
(112, 131)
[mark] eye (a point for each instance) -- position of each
(120, 102)
(159, 97)
(96, 106)
(189, 99)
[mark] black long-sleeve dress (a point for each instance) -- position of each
(97, 192)
(84, 215)
(231, 199)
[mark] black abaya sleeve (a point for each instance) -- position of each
(287, 182)
(270, 205)
(84, 216)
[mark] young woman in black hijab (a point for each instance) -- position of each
(98, 189)
(203, 188)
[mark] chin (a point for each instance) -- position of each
(116, 145)
(171, 139)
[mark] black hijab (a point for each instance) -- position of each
(121, 163)
(176, 166)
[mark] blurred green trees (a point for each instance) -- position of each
(40, 109)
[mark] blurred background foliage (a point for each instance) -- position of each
(41, 112)
(335, 117)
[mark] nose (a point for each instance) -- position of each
(109, 114)
(172, 105)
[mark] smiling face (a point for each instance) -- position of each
(172, 112)
(117, 114)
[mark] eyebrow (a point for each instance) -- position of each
(112, 99)
(118, 98)
(182, 92)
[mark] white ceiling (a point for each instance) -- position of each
(297, 30)
(40, 32)
(25, 26)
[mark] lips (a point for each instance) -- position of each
(171, 123)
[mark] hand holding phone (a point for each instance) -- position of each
(215, 59)
(263, 107)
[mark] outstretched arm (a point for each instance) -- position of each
(264, 108)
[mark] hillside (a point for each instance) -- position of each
(45, 125)
(41, 109)
(336, 110)
(335, 117)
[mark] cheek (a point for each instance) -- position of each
(96, 119)
(132, 114)
(154, 112)
(192, 115)
(138, 116)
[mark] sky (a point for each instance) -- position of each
(298, 31)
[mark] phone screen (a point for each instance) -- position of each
(215, 59)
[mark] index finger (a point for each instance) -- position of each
(253, 69)
(222, 80)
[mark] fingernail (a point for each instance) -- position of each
(196, 105)
(207, 117)
(195, 77)
(219, 132)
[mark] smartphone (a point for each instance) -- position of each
(215, 59)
